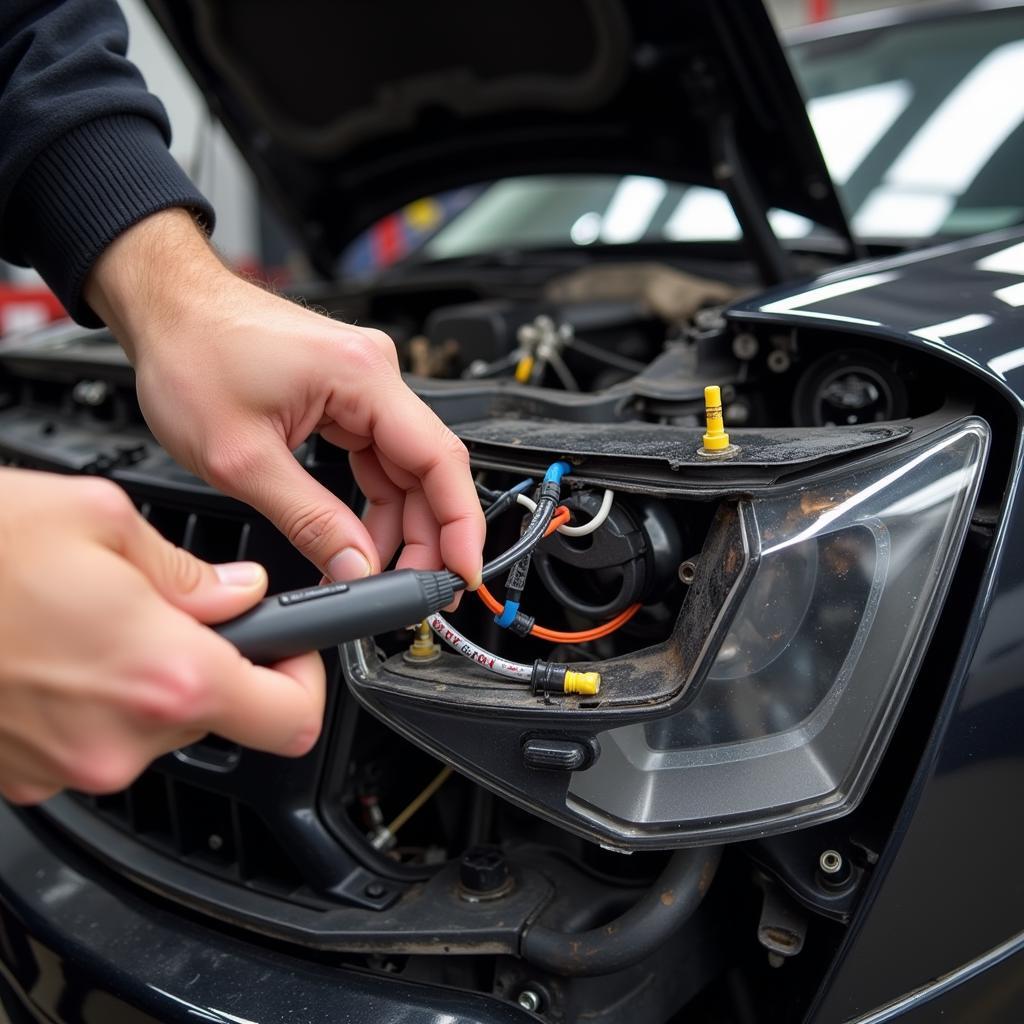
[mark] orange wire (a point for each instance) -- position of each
(557, 636)
(560, 518)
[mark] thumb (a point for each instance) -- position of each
(323, 528)
(209, 593)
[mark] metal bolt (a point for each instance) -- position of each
(688, 572)
(745, 346)
(90, 392)
(484, 874)
(423, 650)
(375, 891)
(830, 862)
(529, 1000)
(778, 361)
(214, 842)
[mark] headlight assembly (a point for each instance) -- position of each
(771, 703)
(810, 679)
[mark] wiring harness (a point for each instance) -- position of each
(546, 516)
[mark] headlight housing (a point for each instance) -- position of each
(784, 704)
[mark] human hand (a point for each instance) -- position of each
(103, 664)
(232, 379)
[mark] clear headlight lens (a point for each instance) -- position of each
(807, 686)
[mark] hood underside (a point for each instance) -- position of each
(348, 110)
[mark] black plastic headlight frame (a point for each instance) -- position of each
(770, 705)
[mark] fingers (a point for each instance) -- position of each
(25, 778)
(323, 528)
(208, 593)
(412, 442)
(278, 710)
(422, 534)
(385, 502)
(192, 680)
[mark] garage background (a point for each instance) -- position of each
(246, 233)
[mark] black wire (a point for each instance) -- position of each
(531, 537)
(486, 493)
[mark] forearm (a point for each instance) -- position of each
(85, 145)
(155, 275)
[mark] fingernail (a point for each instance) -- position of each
(239, 574)
(349, 564)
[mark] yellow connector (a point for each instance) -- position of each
(523, 369)
(586, 683)
(716, 439)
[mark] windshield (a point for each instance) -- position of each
(920, 125)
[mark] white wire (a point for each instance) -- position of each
(577, 531)
(478, 655)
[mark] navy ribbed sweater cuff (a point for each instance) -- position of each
(87, 188)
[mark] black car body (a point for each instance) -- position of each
(826, 866)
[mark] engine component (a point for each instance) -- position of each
(661, 289)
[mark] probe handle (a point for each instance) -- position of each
(317, 617)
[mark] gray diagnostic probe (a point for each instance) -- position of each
(308, 620)
(318, 617)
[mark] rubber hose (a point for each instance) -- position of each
(627, 940)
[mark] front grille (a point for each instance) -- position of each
(208, 831)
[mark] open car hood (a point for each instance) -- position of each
(348, 109)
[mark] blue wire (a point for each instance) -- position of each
(556, 471)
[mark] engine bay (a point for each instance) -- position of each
(755, 612)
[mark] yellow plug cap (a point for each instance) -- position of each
(716, 439)
(523, 369)
(587, 683)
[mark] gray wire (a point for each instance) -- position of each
(603, 356)
(562, 372)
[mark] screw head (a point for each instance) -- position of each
(834, 871)
(214, 841)
(830, 862)
(374, 890)
(528, 999)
